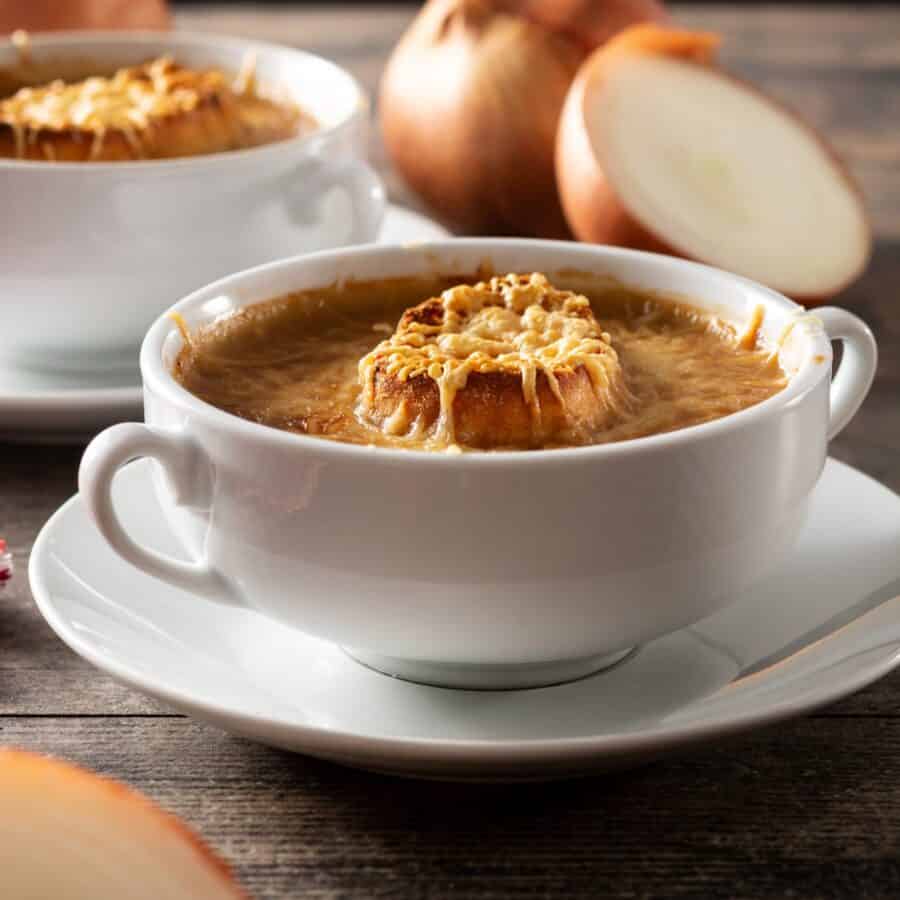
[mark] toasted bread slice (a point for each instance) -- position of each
(155, 111)
(508, 363)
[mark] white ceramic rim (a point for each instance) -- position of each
(338, 742)
(157, 377)
(72, 39)
(86, 399)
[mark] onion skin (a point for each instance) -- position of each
(593, 209)
(470, 103)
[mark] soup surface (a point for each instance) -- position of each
(509, 363)
(156, 110)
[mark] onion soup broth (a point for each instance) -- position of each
(513, 363)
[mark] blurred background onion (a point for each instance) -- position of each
(59, 15)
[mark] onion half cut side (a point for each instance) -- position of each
(660, 149)
(65, 832)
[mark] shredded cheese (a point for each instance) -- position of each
(130, 102)
(516, 324)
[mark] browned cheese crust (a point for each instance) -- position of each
(155, 111)
(507, 363)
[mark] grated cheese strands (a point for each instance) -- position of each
(131, 97)
(516, 324)
(130, 102)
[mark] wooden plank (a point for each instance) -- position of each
(807, 809)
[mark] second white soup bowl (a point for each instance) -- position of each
(485, 569)
(93, 252)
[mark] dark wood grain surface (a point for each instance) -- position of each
(810, 808)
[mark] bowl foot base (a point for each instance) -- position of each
(495, 677)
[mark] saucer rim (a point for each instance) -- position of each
(126, 395)
(347, 746)
(126, 399)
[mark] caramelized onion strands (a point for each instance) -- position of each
(470, 103)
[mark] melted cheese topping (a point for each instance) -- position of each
(516, 324)
(130, 101)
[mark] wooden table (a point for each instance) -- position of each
(809, 808)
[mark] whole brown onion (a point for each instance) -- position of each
(470, 102)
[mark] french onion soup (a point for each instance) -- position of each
(156, 110)
(509, 362)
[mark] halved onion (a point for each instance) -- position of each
(65, 832)
(660, 149)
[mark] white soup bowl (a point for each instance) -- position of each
(500, 569)
(93, 252)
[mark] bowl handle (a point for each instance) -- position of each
(189, 473)
(857, 369)
(353, 176)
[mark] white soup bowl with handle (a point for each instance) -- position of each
(485, 569)
(92, 252)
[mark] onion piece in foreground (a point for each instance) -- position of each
(65, 832)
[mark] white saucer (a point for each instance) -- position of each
(404, 226)
(63, 408)
(56, 407)
(826, 624)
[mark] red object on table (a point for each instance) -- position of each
(6, 569)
